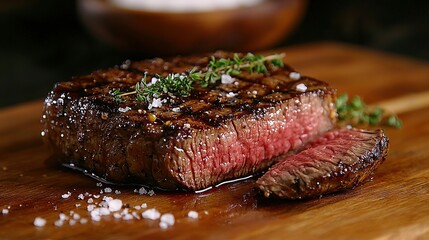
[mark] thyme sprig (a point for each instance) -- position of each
(182, 84)
(355, 111)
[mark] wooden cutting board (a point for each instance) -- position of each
(395, 205)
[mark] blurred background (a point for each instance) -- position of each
(45, 41)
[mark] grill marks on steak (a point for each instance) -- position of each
(212, 139)
(339, 159)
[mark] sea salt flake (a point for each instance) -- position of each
(83, 221)
(168, 218)
(301, 87)
(66, 195)
(226, 79)
(117, 192)
(193, 214)
(5, 211)
(99, 184)
(231, 94)
(294, 75)
(142, 191)
(151, 214)
(127, 217)
(63, 217)
(144, 205)
(81, 196)
(72, 222)
(156, 102)
(115, 205)
(176, 109)
(107, 190)
(39, 222)
(151, 192)
(58, 223)
(163, 225)
(123, 110)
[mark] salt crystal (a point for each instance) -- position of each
(99, 184)
(90, 207)
(151, 192)
(5, 211)
(301, 87)
(96, 218)
(156, 102)
(83, 221)
(63, 217)
(108, 190)
(168, 218)
(123, 110)
(39, 222)
(142, 191)
(153, 81)
(90, 200)
(135, 215)
(66, 195)
(231, 94)
(176, 109)
(107, 199)
(104, 211)
(152, 214)
(117, 215)
(163, 225)
(77, 204)
(96, 196)
(294, 75)
(58, 223)
(76, 216)
(187, 125)
(115, 205)
(193, 214)
(127, 217)
(226, 79)
(137, 207)
(72, 222)
(254, 92)
(80, 197)
(117, 192)
(42, 133)
(144, 205)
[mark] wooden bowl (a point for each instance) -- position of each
(167, 33)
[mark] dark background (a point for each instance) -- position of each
(43, 42)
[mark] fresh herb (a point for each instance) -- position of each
(356, 111)
(182, 84)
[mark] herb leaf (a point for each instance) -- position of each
(357, 112)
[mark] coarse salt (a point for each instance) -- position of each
(226, 79)
(294, 75)
(231, 94)
(123, 110)
(151, 214)
(39, 222)
(99, 184)
(301, 87)
(176, 109)
(81, 196)
(156, 103)
(168, 218)
(153, 81)
(5, 211)
(193, 214)
(115, 205)
(142, 191)
(66, 195)
(107, 190)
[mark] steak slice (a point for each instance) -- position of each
(337, 160)
(222, 132)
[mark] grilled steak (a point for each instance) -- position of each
(222, 132)
(338, 160)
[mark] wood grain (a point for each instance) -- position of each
(392, 206)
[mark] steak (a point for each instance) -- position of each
(339, 159)
(222, 132)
